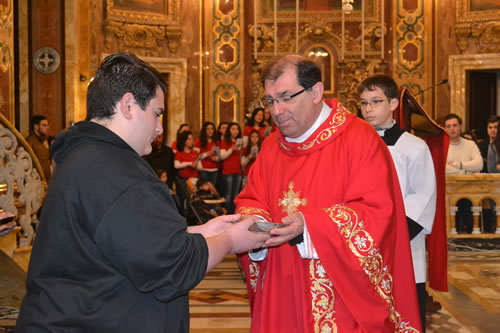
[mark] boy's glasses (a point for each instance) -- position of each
(374, 103)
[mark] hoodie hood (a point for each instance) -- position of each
(83, 132)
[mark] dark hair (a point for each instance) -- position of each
(472, 135)
(308, 72)
(493, 119)
(35, 120)
(452, 116)
(251, 121)
(200, 182)
(159, 172)
(383, 82)
(181, 126)
(218, 135)
(117, 75)
(181, 143)
(203, 134)
(227, 135)
(250, 144)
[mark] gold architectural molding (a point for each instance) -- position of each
(465, 15)
(265, 14)
(142, 39)
(458, 65)
(143, 31)
(463, 33)
(169, 14)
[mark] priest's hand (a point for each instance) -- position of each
(294, 227)
(215, 226)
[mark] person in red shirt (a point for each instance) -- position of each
(268, 123)
(219, 185)
(230, 152)
(206, 146)
(256, 122)
(186, 162)
(186, 157)
(182, 128)
(250, 154)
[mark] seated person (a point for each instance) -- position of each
(210, 200)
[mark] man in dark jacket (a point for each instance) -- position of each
(112, 254)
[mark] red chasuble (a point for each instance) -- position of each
(343, 181)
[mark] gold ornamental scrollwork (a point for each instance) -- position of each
(463, 32)
(143, 30)
(169, 14)
(487, 36)
(143, 39)
(465, 15)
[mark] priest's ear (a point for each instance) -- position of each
(317, 92)
(394, 103)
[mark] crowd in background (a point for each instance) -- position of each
(222, 155)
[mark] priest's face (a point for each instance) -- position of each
(296, 115)
(376, 108)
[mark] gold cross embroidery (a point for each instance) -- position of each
(291, 200)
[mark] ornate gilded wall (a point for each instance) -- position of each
(320, 37)
(7, 59)
(224, 48)
(413, 43)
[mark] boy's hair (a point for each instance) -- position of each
(452, 116)
(383, 82)
(118, 74)
(201, 182)
(493, 119)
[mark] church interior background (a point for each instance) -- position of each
(211, 53)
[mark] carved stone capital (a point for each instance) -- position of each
(173, 38)
(463, 32)
(143, 39)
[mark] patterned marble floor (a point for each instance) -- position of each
(472, 305)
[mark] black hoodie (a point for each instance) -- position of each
(111, 253)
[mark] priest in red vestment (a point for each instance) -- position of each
(343, 261)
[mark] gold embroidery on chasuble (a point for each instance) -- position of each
(291, 200)
(337, 120)
(253, 267)
(244, 211)
(363, 247)
(254, 275)
(323, 299)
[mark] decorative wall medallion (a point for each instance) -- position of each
(46, 60)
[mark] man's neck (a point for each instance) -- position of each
(455, 140)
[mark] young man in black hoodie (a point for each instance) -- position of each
(112, 254)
